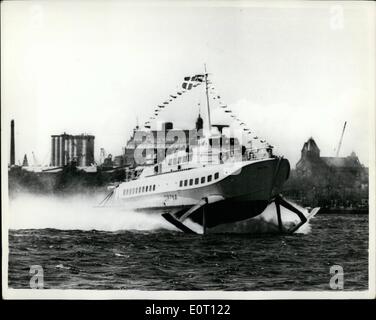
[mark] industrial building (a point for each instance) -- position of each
(69, 149)
(12, 145)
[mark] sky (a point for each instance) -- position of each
(291, 71)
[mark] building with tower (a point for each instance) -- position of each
(328, 182)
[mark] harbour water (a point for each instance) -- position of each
(148, 254)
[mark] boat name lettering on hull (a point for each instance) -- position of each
(171, 196)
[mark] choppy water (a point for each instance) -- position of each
(161, 259)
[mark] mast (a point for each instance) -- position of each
(207, 98)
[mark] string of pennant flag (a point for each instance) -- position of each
(215, 96)
(188, 84)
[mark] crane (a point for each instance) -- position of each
(340, 140)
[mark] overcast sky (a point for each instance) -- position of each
(290, 72)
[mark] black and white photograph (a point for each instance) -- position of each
(188, 150)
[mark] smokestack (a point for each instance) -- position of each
(12, 151)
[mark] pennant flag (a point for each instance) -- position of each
(187, 84)
(170, 100)
(148, 127)
(262, 141)
(255, 137)
(228, 111)
(190, 82)
(173, 97)
(161, 106)
(179, 93)
(165, 102)
(218, 97)
(223, 106)
(199, 77)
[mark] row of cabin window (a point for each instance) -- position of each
(139, 190)
(177, 160)
(197, 180)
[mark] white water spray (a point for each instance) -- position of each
(80, 213)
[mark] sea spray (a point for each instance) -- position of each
(77, 213)
(81, 212)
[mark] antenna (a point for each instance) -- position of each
(207, 97)
(340, 140)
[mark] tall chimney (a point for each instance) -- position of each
(12, 151)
